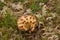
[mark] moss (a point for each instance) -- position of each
(1, 5)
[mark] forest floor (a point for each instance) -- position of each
(47, 12)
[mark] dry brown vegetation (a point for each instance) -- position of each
(47, 13)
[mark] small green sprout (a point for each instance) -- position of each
(34, 7)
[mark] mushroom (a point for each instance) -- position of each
(27, 22)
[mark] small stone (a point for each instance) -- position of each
(41, 4)
(44, 8)
(2, 0)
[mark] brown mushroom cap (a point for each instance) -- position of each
(27, 22)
